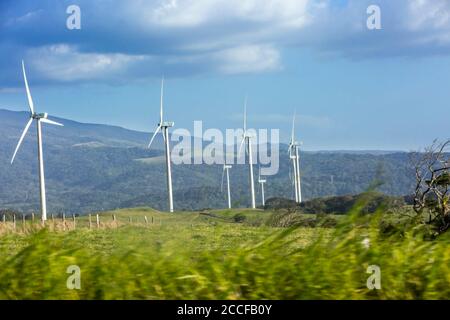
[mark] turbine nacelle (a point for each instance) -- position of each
(248, 134)
(39, 115)
(227, 166)
(167, 124)
(292, 146)
(295, 144)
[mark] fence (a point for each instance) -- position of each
(60, 223)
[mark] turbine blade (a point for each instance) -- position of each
(30, 100)
(162, 97)
(154, 135)
(293, 128)
(240, 148)
(51, 122)
(21, 138)
(245, 115)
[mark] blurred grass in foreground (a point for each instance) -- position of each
(189, 256)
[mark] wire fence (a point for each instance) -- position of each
(60, 223)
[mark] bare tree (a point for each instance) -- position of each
(431, 196)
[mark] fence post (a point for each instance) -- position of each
(4, 218)
(152, 219)
(90, 221)
(23, 221)
(14, 221)
(32, 217)
(146, 220)
(74, 222)
(98, 221)
(129, 220)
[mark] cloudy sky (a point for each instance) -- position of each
(353, 88)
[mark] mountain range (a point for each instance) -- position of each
(93, 167)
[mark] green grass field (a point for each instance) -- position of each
(190, 255)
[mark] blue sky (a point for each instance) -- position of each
(353, 88)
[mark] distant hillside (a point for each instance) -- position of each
(97, 167)
(74, 133)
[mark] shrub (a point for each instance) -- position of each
(239, 217)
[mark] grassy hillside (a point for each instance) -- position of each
(208, 255)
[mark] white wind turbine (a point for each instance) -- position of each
(164, 126)
(295, 158)
(225, 170)
(261, 182)
(39, 117)
(246, 138)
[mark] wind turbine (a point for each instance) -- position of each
(40, 118)
(246, 138)
(164, 126)
(261, 182)
(294, 156)
(226, 169)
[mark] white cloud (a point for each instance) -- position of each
(139, 38)
(430, 20)
(65, 63)
(11, 90)
(24, 18)
(248, 59)
(426, 14)
(189, 13)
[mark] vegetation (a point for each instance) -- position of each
(337, 204)
(220, 255)
(432, 193)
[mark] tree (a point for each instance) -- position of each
(431, 196)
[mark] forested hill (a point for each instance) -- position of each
(93, 167)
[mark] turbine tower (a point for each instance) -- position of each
(40, 118)
(295, 158)
(261, 182)
(164, 126)
(246, 138)
(226, 169)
